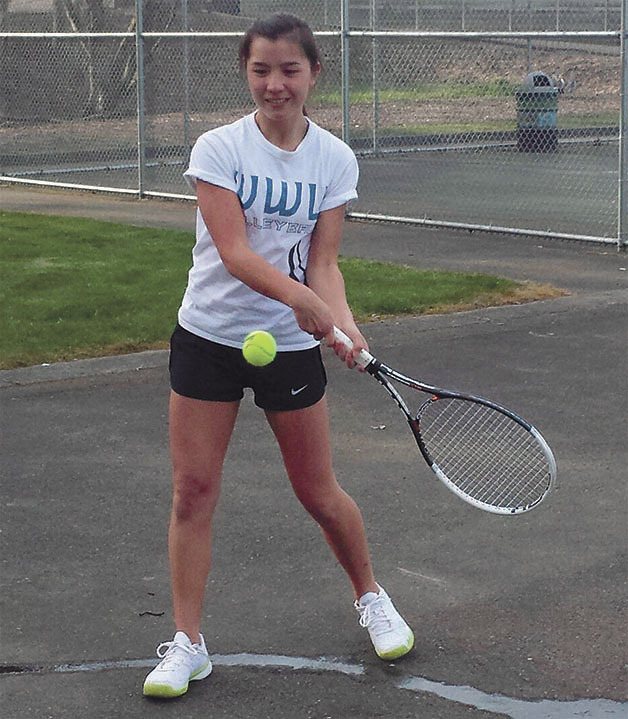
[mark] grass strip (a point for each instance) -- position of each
(423, 91)
(76, 288)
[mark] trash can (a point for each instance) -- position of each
(537, 111)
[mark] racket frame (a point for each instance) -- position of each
(382, 372)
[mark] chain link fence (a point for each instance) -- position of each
(502, 115)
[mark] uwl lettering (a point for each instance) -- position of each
(281, 206)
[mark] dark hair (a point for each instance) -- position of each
(281, 25)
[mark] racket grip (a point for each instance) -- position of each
(363, 359)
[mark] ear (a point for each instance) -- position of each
(316, 71)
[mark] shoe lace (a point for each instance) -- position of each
(173, 654)
(374, 618)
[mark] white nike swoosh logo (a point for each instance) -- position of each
(293, 392)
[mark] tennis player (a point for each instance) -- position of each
(271, 190)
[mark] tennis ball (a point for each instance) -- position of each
(259, 348)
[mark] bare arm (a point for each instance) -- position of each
(325, 278)
(224, 218)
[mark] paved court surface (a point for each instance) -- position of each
(520, 617)
(572, 191)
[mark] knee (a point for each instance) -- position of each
(325, 508)
(194, 496)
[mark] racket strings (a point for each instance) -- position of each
(485, 454)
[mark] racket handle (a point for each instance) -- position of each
(363, 359)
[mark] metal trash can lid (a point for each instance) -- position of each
(537, 79)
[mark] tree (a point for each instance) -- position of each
(109, 62)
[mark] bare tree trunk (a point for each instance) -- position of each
(109, 64)
(4, 10)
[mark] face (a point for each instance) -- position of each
(280, 78)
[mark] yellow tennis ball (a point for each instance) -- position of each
(259, 348)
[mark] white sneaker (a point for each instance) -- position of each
(181, 662)
(391, 636)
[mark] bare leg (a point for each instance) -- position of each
(303, 437)
(199, 436)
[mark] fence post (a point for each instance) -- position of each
(186, 76)
(344, 55)
(622, 222)
(529, 39)
(141, 119)
(375, 79)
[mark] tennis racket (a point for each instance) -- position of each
(484, 453)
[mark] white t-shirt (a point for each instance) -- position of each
(281, 193)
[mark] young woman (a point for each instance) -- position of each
(272, 190)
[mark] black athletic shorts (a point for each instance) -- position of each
(202, 369)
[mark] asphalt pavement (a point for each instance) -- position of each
(523, 617)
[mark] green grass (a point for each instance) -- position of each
(423, 91)
(77, 288)
(380, 289)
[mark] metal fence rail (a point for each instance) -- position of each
(433, 99)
